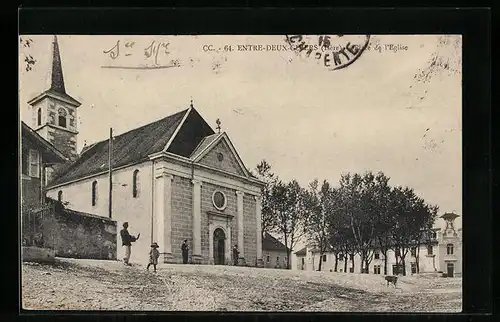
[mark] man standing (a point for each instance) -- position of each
(127, 241)
(236, 254)
(185, 251)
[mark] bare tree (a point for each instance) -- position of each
(412, 215)
(287, 202)
(268, 215)
(321, 208)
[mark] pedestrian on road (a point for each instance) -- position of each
(185, 251)
(236, 254)
(153, 256)
(127, 241)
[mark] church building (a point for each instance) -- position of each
(171, 180)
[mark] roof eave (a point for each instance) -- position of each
(55, 155)
(50, 93)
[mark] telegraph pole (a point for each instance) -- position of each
(110, 210)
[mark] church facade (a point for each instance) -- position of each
(171, 180)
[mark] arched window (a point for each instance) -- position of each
(62, 117)
(39, 117)
(135, 184)
(59, 196)
(449, 249)
(94, 193)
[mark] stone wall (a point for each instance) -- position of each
(182, 217)
(64, 141)
(250, 230)
(80, 235)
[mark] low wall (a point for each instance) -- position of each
(37, 254)
(81, 235)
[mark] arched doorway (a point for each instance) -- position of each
(219, 246)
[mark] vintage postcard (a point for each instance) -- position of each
(241, 173)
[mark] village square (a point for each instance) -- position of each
(132, 199)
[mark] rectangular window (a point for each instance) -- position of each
(377, 255)
(324, 258)
(449, 249)
(376, 269)
(34, 161)
(268, 259)
(414, 268)
(277, 259)
(429, 250)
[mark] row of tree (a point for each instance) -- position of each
(361, 215)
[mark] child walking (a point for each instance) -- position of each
(153, 256)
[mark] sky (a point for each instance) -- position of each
(390, 110)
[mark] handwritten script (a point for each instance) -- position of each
(152, 54)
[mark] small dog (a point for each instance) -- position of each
(391, 279)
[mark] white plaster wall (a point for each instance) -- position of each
(137, 211)
(426, 263)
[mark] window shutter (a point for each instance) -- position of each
(34, 164)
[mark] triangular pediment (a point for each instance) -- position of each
(221, 155)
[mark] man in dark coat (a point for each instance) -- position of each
(236, 254)
(185, 251)
(127, 241)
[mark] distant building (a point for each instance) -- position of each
(36, 155)
(441, 252)
(274, 253)
(172, 179)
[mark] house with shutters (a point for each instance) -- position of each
(37, 154)
(438, 251)
(171, 180)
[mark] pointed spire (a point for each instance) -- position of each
(57, 83)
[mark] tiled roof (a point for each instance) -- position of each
(128, 148)
(271, 243)
(302, 252)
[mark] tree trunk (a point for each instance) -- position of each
(361, 268)
(403, 263)
(417, 259)
(288, 259)
(367, 266)
(320, 261)
(336, 263)
(385, 261)
(345, 263)
(352, 262)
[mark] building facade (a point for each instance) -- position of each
(36, 155)
(442, 254)
(274, 253)
(171, 180)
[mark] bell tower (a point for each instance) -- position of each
(54, 112)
